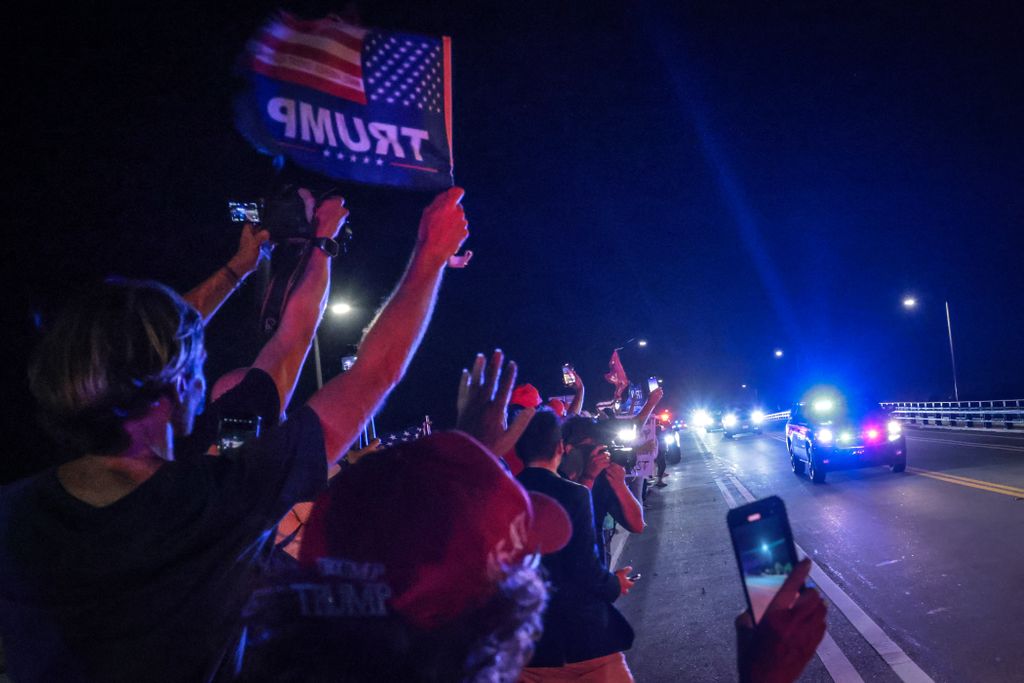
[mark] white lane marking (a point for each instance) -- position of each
(902, 665)
(839, 667)
(725, 493)
(886, 563)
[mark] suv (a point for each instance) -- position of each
(827, 434)
(741, 421)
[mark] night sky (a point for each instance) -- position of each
(719, 181)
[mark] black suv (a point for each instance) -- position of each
(741, 421)
(827, 434)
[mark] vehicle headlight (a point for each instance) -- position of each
(895, 430)
(670, 440)
(845, 437)
(757, 417)
(626, 435)
(729, 420)
(825, 435)
(700, 418)
(823, 405)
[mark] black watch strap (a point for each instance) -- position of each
(327, 245)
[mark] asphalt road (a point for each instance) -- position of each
(923, 571)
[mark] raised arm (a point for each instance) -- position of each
(282, 357)
(346, 403)
(652, 403)
(576, 407)
(632, 511)
(212, 292)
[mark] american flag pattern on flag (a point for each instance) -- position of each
(350, 102)
(323, 54)
(408, 434)
(406, 72)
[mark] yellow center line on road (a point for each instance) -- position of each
(971, 483)
(992, 487)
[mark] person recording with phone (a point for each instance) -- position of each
(584, 635)
(209, 295)
(572, 380)
(588, 461)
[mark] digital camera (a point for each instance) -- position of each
(623, 456)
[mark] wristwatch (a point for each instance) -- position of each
(327, 245)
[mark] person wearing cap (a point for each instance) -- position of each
(524, 397)
(584, 635)
(419, 564)
(128, 564)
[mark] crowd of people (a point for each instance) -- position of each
(476, 554)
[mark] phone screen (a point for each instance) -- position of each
(241, 212)
(764, 549)
(652, 383)
(236, 431)
(568, 375)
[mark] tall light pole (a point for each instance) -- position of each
(952, 356)
(910, 302)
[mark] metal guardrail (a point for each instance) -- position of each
(1004, 414)
(776, 417)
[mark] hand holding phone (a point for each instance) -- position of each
(792, 626)
(568, 375)
(625, 581)
(765, 552)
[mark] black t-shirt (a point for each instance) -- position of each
(255, 396)
(151, 587)
(605, 503)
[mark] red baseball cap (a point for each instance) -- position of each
(526, 395)
(558, 406)
(432, 522)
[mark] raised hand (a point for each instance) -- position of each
(250, 249)
(778, 648)
(443, 227)
(482, 404)
(357, 454)
(597, 462)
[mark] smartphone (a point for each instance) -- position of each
(236, 431)
(652, 384)
(764, 548)
(244, 212)
(568, 375)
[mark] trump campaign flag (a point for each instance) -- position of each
(348, 102)
(617, 374)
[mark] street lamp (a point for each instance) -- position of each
(778, 353)
(641, 342)
(341, 308)
(910, 302)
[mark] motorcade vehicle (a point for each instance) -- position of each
(830, 433)
(741, 421)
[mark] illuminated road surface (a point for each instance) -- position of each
(924, 570)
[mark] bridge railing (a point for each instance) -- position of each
(1002, 414)
(777, 417)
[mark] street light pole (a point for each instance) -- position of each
(952, 356)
